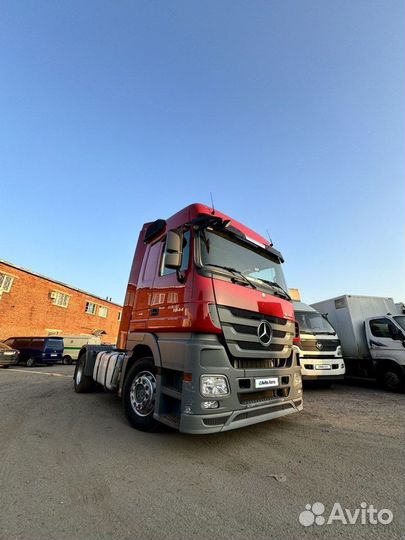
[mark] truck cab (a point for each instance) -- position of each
(320, 353)
(206, 336)
(386, 340)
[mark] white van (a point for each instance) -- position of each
(73, 344)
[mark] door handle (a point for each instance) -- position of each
(154, 311)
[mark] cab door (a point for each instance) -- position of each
(170, 296)
(385, 339)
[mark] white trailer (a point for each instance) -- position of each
(73, 343)
(372, 336)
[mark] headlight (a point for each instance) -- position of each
(338, 350)
(214, 385)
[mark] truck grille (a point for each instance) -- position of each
(327, 345)
(246, 351)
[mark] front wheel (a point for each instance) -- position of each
(30, 362)
(393, 379)
(66, 360)
(139, 395)
(82, 383)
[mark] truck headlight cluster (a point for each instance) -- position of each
(214, 385)
(338, 350)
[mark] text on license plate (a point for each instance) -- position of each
(323, 366)
(266, 382)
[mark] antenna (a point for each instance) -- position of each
(268, 234)
(212, 204)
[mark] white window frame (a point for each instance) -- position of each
(103, 311)
(92, 312)
(3, 278)
(60, 299)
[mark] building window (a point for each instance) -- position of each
(102, 311)
(52, 331)
(6, 282)
(60, 299)
(91, 308)
(119, 315)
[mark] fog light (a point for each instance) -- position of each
(297, 379)
(210, 404)
(214, 385)
(342, 366)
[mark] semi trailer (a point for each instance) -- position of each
(372, 335)
(319, 349)
(206, 336)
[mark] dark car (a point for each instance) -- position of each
(8, 356)
(37, 350)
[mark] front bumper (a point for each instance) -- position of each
(313, 368)
(225, 421)
(8, 360)
(245, 405)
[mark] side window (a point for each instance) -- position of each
(149, 271)
(381, 328)
(38, 343)
(21, 343)
(186, 257)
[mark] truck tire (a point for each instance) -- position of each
(31, 362)
(139, 393)
(82, 383)
(393, 379)
(66, 360)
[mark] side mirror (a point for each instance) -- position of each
(173, 250)
(397, 335)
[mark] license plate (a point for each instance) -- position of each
(54, 354)
(323, 366)
(266, 382)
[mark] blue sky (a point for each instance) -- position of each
(290, 112)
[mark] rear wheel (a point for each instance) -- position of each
(393, 379)
(67, 360)
(139, 395)
(82, 383)
(30, 362)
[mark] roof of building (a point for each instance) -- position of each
(58, 282)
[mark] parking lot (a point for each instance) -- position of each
(72, 468)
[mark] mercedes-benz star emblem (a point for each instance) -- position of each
(264, 333)
(319, 345)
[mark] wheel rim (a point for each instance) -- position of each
(79, 373)
(142, 393)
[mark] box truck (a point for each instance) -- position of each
(206, 336)
(320, 353)
(372, 337)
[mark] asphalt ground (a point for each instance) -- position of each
(72, 468)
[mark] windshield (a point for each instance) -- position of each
(400, 319)
(313, 323)
(217, 249)
(3, 345)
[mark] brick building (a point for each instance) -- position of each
(31, 304)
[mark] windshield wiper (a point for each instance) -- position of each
(236, 272)
(277, 286)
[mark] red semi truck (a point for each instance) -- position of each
(206, 336)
